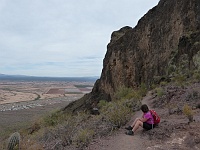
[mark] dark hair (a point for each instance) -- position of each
(144, 108)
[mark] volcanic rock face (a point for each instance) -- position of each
(138, 55)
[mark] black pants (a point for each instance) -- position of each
(148, 126)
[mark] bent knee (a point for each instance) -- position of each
(139, 122)
(137, 119)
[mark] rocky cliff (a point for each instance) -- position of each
(166, 39)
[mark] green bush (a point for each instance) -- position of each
(133, 103)
(196, 76)
(187, 110)
(102, 103)
(81, 116)
(153, 86)
(116, 113)
(53, 118)
(128, 93)
(179, 79)
(83, 137)
(68, 129)
(142, 89)
(163, 83)
(159, 91)
(123, 93)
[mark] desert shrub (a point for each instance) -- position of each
(67, 131)
(196, 60)
(163, 83)
(64, 132)
(129, 93)
(53, 118)
(142, 89)
(187, 110)
(133, 104)
(171, 69)
(81, 116)
(159, 91)
(179, 79)
(123, 93)
(116, 113)
(196, 76)
(153, 86)
(136, 94)
(102, 103)
(83, 137)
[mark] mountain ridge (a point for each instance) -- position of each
(35, 78)
(165, 41)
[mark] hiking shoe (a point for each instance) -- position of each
(130, 132)
(129, 128)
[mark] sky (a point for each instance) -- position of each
(62, 38)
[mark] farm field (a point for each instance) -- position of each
(12, 91)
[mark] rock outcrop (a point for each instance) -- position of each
(166, 36)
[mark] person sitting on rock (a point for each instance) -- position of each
(147, 121)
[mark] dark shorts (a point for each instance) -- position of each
(147, 126)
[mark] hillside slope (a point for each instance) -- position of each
(174, 131)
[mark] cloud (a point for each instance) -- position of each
(59, 37)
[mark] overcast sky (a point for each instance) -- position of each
(62, 38)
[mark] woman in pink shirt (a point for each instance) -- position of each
(146, 121)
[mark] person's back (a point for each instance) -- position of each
(149, 117)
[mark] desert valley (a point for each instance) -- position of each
(12, 91)
(21, 102)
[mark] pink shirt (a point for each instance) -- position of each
(149, 117)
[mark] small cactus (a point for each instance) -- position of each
(14, 141)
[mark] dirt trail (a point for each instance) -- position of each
(121, 141)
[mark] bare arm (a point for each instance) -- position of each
(143, 119)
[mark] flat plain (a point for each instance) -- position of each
(11, 91)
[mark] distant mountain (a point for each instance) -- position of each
(37, 78)
(5, 75)
(2, 75)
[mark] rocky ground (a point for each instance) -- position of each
(174, 132)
